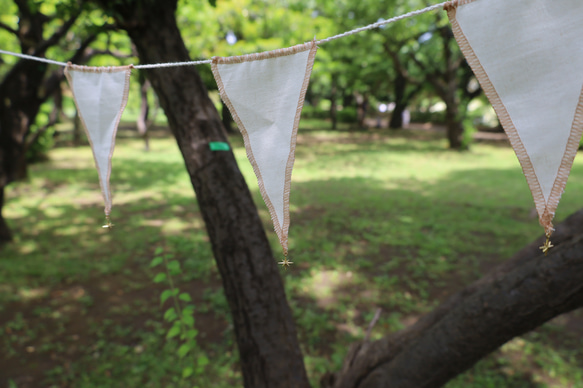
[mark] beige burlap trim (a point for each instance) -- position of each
(94, 69)
(281, 231)
(503, 116)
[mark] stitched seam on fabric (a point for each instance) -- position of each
(250, 156)
(503, 115)
(566, 163)
(252, 57)
(124, 101)
(98, 69)
(291, 159)
(69, 77)
(264, 55)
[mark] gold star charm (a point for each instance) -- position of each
(285, 263)
(108, 224)
(545, 248)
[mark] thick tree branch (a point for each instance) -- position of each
(57, 35)
(6, 27)
(519, 295)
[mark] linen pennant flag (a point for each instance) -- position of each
(100, 94)
(265, 93)
(528, 57)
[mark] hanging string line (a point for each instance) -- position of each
(193, 63)
(172, 64)
(38, 59)
(382, 23)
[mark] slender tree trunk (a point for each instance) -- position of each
(266, 335)
(514, 298)
(77, 129)
(454, 126)
(5, 234)
(142, 121)
(361, 110)
(333, 103)
(400, 102)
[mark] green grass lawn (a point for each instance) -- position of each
(379, 219)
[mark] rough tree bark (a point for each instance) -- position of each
(266, 334)
(24, 89)
(516, 297)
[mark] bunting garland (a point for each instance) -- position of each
(526, 54)
(101, 95)
(528, 57)
(265, 94)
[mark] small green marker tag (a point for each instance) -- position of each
(219, 146)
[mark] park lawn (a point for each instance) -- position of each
(379, 219)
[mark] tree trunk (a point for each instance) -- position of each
(400, 102)
(77, 129)
(333, 103)
(454, 126)
(5, 234)
(142, 120)
(19, 106)
(361, 110)
(266, 335)
(24, 88)
(514, 298)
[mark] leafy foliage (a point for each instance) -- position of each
(180, 315)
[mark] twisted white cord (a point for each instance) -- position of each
(388, 21)
(38, 59)
(193, 63)
(172, 64)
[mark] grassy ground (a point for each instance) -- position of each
(379, 219)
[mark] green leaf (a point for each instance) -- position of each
(188, 320)
(165, 295)
(185, 297)
(173, 332)
(159, 278)
(183, 350)
(186, 372)
(191, 334)
(158, 251)
(213, 3)
(156, 261)
(202, 360)
(188, 310)
(170, 315)
(173, 267)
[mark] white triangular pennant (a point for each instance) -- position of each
(528, 57)
(265, 93)
(101, 95)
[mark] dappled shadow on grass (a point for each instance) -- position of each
(78, 301)
(370, 142)
(360, 244)
(98, 324)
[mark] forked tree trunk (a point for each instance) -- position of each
(266, 335)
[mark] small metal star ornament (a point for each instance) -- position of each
(108, 225)
(545, 248)
(285, 263)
